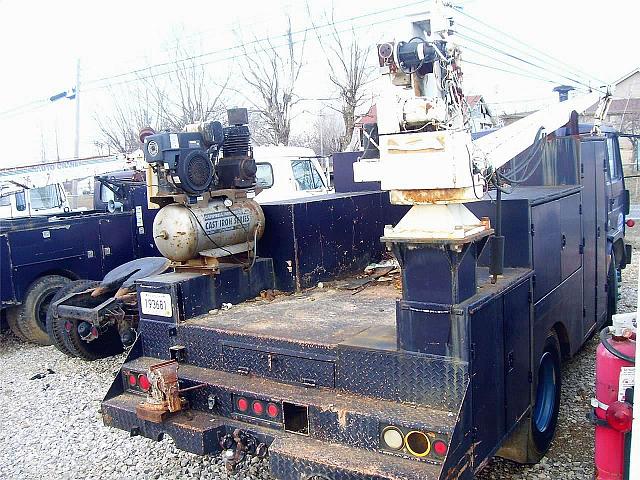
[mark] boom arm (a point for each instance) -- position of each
(499, 147)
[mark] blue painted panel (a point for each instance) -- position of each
(6, 286)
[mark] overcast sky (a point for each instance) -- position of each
(42, 40)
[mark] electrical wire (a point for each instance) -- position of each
(527, 46)
(522, 51)
(493, 48)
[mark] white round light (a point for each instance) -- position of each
(153, 148)
(393, 438)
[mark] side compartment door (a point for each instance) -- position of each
(517, 352)
(116, 241)
(589, 229)
(602, 213)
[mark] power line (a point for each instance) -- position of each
(257, 41)
(520, 71)
(515, 57)
(529, 47)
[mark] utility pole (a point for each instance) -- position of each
(77, 144)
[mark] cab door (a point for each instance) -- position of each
(617, 198)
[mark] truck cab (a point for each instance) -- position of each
(18, 201)
(289, 172)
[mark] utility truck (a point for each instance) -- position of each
(42, 253)
(267, 339)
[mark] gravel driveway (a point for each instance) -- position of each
(50, 426)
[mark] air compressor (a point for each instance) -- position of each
(204, 180)
(612, 408)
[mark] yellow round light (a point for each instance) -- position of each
(417, 443)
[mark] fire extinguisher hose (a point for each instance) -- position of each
(604, 338)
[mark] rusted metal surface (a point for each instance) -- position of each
(164, 395)
(296, 318)
(436, 195)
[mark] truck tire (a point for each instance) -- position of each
(613, 286)
(107, 344)
(532, 437)
(31, 316)
(544, 416)
(12, 321)
(55, 325)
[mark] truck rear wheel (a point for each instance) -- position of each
(12, 321)
(31, 316)
(55, 325)
(532, 437)
(544, 416)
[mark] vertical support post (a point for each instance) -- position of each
(77, 141)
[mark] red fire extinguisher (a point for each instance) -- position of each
(612, 411)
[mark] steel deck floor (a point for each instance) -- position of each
(326, 316)
(332, 316)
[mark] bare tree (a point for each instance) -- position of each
(349, 70)
(324, 137)
(272, 71)
(166, 100)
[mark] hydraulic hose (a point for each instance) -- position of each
(604, 338)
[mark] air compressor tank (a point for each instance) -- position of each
(181, 232)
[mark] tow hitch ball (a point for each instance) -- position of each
(236, 445)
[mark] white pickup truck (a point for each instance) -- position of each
(19, 201)
(289, 172)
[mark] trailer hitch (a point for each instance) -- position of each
(235, 446)
(164, 396)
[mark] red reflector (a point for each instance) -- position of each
(619, 416)
(440, 448)
(132, 380)
(243, 404)
(630, 223)
(273, 410)
(257, 407)
(144, 382)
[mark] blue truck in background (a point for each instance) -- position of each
(41, 254)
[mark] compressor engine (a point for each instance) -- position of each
(204, 180)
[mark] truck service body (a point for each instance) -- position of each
(39, 254)
(345, 380)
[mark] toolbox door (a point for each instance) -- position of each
(517, 352)
(116, 241)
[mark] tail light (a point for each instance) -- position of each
(273, 410)
(630, 223)
(144, 382)
(257, 407)
(132, 380)
(620, 416)
(242, 404)
(440, 448)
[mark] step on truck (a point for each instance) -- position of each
(267, 339)
(41, 254)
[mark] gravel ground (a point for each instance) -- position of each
(50, 426)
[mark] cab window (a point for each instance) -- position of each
(614, 167)
(21, 202)
(106, 193)
(44, 198)
(264, 175)
(306, 175)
